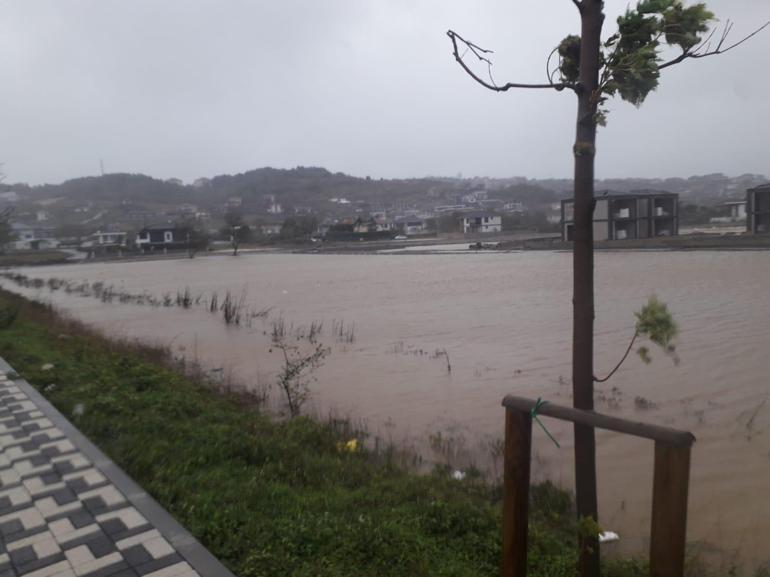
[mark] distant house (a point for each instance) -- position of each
(620, 216)
(737, 209)
(482, 222)
(233, 202)
(358, 230)
(379, 214)
(323, 228)
(758, 209)
(32, 238)
(105, 239)
(553, 213)
(516, 207)
(733, 211)
(371, 225)
(410, 225)
(271, 228)
(187, 210)
(449, 208)
(104, 242)
(491, 204)
(164, 236)
(474, 196)
(274, 208)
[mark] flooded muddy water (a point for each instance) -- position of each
(504, 321)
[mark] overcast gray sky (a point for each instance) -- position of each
(189, 88)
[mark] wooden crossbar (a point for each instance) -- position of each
(669, 494)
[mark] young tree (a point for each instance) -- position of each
(237, 230)
(298, 371)
(6, 230)
(298, 227)
(628, 64)
(194, 236)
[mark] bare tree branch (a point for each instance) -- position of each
(549, 73)
(480, 54)
(622, 360)
(703, 49)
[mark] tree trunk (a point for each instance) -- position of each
(592, 19)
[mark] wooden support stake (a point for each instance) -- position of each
(518, 450)
(669, 510)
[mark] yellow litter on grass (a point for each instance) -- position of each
(351, 446)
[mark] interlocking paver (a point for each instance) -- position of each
(63, 516)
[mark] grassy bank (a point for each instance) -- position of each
(33, 258)
(271, 498)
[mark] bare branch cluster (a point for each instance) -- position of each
(482, 55)
(704, 49)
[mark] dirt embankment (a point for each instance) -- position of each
(682, 242)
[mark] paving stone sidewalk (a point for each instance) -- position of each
(66, 510)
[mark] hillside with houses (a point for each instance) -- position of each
(270, 204)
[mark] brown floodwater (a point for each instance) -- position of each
(505, 323)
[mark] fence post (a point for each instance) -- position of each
(518, 449)
(669, 510)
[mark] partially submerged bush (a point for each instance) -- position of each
(655, 322)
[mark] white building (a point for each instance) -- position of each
(516, 207)
(410, 225)
(31, 238)
(736, 212)
(106, 239)
(553, 214)
(271, 228)
(482, 222)
(275, 208)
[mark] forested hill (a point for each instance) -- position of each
(298, 185)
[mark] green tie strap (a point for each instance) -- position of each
(533, 413)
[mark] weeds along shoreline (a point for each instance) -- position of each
(231, 307)
(300, 347)
(302, 352)
(273, 496)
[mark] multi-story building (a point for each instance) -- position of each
(620, 216)
(483, 222)
(758, 209)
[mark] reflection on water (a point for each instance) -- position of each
(505, 323)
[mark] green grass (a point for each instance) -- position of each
(271, 498)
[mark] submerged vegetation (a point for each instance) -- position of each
(273, 497)
(234, 310)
